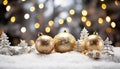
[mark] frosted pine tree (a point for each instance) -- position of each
(84, 34)
(5, 45)
(108, 48)
(24, 48)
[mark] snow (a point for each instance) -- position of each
(68, 60)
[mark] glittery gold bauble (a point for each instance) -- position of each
(64, 42)
(94, 42)
(44, 44)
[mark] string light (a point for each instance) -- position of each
(88, 23)
(69, 19)
(72, 12)
(100, 20)
(47, 29)
(103, 6)
(37, 25)
(32, 42)
(8, 8)
(50, 23)
(23, 29)
(84, 13)
(83, 19)
(32, 9)
(108, 19)
(60, 21)
(5, 2)
(41, 5)
(113, 24)
(13, 19)
(27, 16)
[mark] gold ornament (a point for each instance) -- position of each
(64, 42)
(94, 42)
(44, 44)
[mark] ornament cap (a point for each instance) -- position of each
(40, 34)
(65, 31)
(95, 33)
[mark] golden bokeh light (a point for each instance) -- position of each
(23, 0)
(100, 20)
(104, 6)
(84, 12)
(101, 0)
(32, 9)
(41, 5)
(72, 12)
(113, 24)
(69, 19)
(108, 19)
(116, 2)
(83, 19)
(50, 23)
(5, 2)
(31, 42)
(27, 16)
(13, 19)
(60, 21)
(47, 29)
(88, 23)
(8, 8)
(23, 29)
(37, 25)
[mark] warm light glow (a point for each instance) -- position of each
(8, 8)
(116, 2)
(5, 2)
(32, 42)
(100, 20)
(12, 19)
(101, 0)
(47, 29)
(23, 29)
(113, 24)
(50, 23)
(84, 13)
(23, 0)
(60, 21)
(108, 19)
(83, 19)
(27, 16)
(104, 6)
(72, 12)
(37, 25)
(108, 30)
(41, 5)
(88, 23)
(32, 9)
(69, 19)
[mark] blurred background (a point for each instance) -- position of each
(24, 19)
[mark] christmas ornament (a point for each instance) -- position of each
(64, 42)
(44, 44)
(94, 42)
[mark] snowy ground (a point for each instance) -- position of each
(69, 60)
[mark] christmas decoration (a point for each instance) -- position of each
(84, 34)
(24, 48)
(64, 42)
(5, 48)
(44, 44)
(108, 48)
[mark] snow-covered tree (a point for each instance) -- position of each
(24, 48)
(108, 48)
(5, 46)
(84, 34)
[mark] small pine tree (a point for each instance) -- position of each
(5, 48)
(84, 34)
(108, 48)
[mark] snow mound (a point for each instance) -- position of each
(68, 60)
